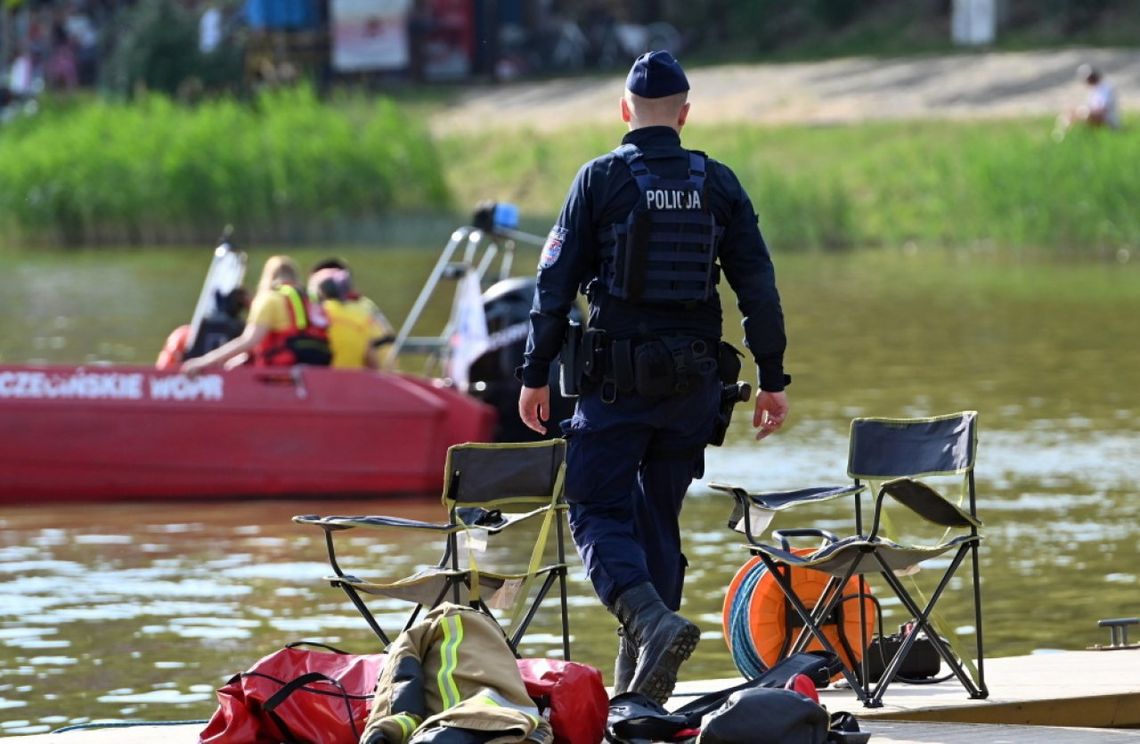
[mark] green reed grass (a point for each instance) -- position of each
(292, 167)
(286, 167)
(1005, 183)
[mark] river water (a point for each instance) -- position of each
(141, 611)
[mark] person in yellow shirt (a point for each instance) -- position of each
(359, 334)
(284, 326)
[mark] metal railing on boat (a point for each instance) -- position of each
(480, 250)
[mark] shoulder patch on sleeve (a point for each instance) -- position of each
(552, 248)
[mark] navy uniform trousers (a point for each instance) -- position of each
(628, 465)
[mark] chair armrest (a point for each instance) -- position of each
(779, 500)
(333, 524)
(926, 502)
(507, 519)
(775, 501)
(782, 535)
(378, 521)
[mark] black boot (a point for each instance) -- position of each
(663, 639)
(624, 664)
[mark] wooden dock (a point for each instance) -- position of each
(1069, 697)
(1075, 689)
(1094, 689)
(921, 732)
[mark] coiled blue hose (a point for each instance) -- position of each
(741, 643)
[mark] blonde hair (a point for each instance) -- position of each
(278, 270)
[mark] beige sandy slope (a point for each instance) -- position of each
(968, 85)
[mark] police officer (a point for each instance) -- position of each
(644, 232)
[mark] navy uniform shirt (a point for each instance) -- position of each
(603, 193)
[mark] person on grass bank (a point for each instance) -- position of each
(284, 326)
(646, 230)
(1100, 109)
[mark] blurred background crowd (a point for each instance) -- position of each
(184, 47)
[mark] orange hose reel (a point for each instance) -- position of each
(768, 613)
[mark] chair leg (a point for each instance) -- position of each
(829, 605)
(864, 669)
(565, 615)
(520, 631)
(362, 608)
(983, 691)
(558, 575)
(823, 605)
(922, 622)
(562, 571)
(810, 624)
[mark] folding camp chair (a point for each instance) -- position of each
(488, 490)
(892, 456)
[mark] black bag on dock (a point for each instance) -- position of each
(764, 715)
(635, 718)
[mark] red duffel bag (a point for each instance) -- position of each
(572, 696)
(296, 695)
(306, 696)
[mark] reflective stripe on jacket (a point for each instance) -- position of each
(453, 671)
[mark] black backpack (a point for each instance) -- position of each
(754, 712)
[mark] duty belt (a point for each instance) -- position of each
(654, 367)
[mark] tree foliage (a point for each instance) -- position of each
(157, 50)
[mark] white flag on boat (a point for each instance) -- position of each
(468, 324)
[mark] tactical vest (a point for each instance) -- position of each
(665, 251)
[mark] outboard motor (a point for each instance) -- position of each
(507, 306)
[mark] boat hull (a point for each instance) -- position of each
(113, 433)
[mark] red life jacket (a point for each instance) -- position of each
(305, 341)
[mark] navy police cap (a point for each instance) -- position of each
(656, 75)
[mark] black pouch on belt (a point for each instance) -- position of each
(728, 363)
(570, 361)
(594, 346)
(692, 359)
(732, 391)
(654, 371)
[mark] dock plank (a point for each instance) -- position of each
(1092, 689)
(922, 732)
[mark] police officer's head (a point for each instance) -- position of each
(656, 92)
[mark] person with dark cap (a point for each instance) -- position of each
(645, 232)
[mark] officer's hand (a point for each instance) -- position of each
(534, 407)
(771, 410)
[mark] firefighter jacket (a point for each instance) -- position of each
(452, 678)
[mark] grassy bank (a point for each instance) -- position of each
(287, 167)
(291, 168)
(1006, 183)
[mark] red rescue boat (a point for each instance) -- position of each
(121, 432)
(102, 433)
